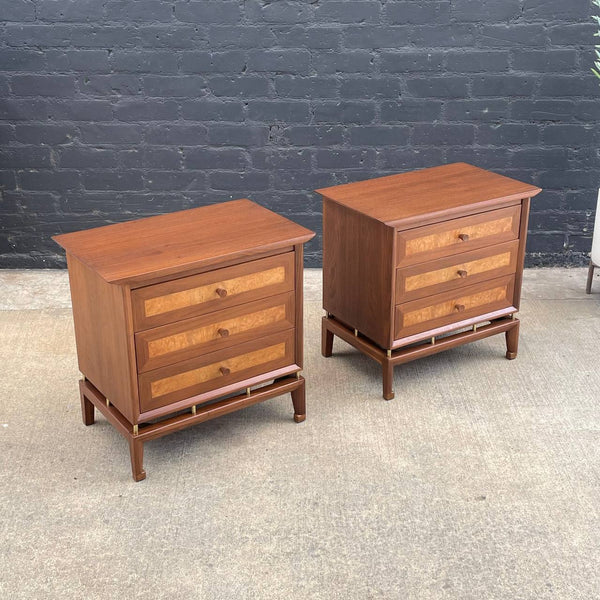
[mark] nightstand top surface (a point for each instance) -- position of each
(443, 191)
(166, 244)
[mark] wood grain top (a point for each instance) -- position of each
(170, 243)
(446, 191)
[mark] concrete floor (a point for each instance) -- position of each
(481, 480)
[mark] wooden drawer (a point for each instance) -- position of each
(238, 363)
(435, 277)
(180, 341)
(199, 294)
(458, 235)
(451, 307)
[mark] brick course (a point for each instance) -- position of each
(117, 109)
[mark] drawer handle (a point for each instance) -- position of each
(461, 273)
(222, 292)
(463, 237)
(224, 371)
(459, 307)
(223, 332)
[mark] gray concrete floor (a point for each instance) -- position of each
(480, 480)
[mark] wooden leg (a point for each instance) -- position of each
(299, 402)
(512, 341)
(87, 408)
(136, 450)
(326, 340)
(388, 379)
(588, 287)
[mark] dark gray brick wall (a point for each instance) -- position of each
(117, 109)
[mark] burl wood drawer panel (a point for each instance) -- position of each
(172, 343)
(199, 294)
(457, 235)
(458, 271)
(215, 370)
(451, 307)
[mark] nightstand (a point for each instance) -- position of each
(420, 262)
(187, 316)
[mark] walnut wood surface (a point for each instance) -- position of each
(444, 239)
(216, 393)
(151, 431)
(202, 294)
(215, 290)
(216, 297)
(299, 303)
(102, 336)
(512, 342)
(299, 402)
(437, 193)
(500, 325)
(358, 270)
(444, 330)
(189, 379)
(169, 244)
(185, 339)
(521, 256)
(418, 255)
(136, 453)
(458, 271)
(590, 278)
(87, 409)
(182, 380)
(435, 311)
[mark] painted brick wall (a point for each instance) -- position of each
(115, 109)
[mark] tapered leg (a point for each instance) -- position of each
(326, 340)
(588, 287)
(87, 409)
(512, 341)
(136, 450)
(299, 402)
(388, 379)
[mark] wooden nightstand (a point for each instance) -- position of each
(174, 312)
(410, 259)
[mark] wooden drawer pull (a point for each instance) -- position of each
(459, 307)
(221, 292)
(464, 237)
(224, 371)
(223, 332)
(461, 273)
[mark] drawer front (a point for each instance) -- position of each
(192, 337)
(199, 294)
(458, 235)
(452, 307)
(166, 385)
(455, 272)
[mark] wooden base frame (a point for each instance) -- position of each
(390, 358)
(137, 435)
(590, 278)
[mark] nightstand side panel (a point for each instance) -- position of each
(299, 304)
(103, 336)
(358, 271)
(521, 254)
